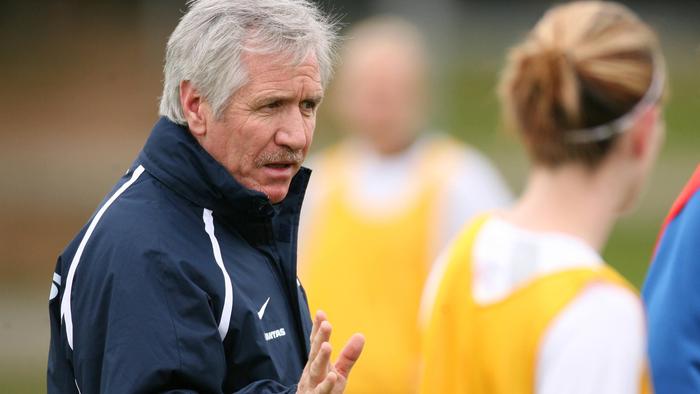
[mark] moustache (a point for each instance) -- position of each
(285, 156)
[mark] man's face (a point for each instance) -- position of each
(267, 127)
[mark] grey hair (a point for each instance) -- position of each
(207, 45)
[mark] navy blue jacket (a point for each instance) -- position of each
(182, 281)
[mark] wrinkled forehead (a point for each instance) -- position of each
(281, 76)
(261, 65)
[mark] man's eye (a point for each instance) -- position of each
(274, 104)
(308, 105)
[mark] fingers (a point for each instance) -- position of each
(326, 387)
(320, 317)
(317, 374)
(349, 355)
(322, 335)
(318, 369)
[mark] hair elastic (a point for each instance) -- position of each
(624, 122)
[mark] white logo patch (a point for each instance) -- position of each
(274, 334)
(261, 312)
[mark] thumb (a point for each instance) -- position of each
(349, 355)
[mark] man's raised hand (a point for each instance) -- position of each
(319, 376)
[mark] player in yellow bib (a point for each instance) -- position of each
(383, 202)
(521, 301)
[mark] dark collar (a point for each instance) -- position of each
(176, 159)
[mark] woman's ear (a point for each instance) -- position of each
(644, 136)
(193, 108)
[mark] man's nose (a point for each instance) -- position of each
(292, 133)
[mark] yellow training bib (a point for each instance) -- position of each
(367, 272)
(492, 349)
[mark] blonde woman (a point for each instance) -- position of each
(522, 301)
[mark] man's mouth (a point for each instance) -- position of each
(280, 170)
(282, 165)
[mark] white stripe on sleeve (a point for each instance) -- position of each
(66, 312)
(228, 296)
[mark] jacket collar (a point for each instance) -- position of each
(176, 159)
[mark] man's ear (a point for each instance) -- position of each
(194, 109)
(642, 134)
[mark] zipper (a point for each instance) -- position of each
(288, 286)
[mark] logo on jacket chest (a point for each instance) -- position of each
(274, 334)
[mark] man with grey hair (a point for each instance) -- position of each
(184, 279)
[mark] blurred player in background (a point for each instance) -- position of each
(522, 301)
(385, 200)
(672, 297)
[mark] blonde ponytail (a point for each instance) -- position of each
(584, 64)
